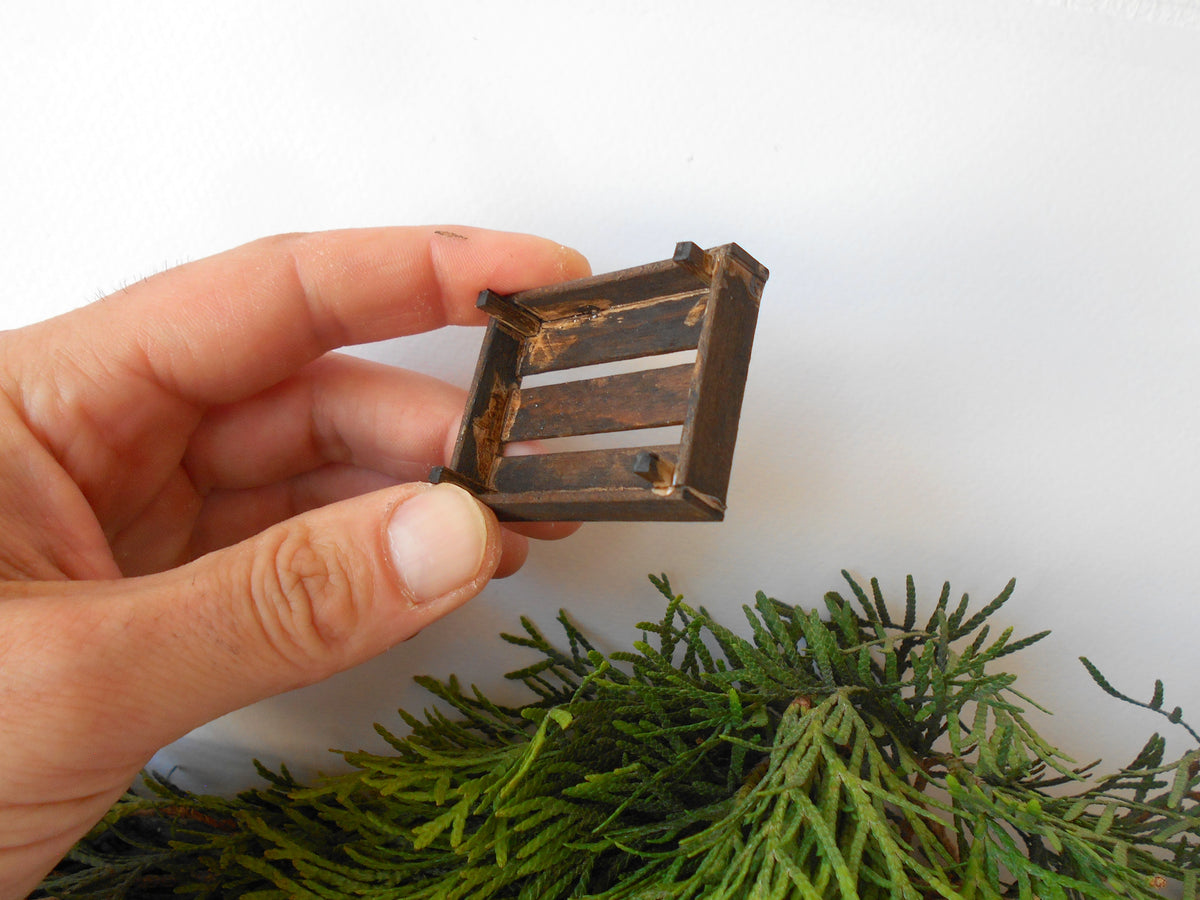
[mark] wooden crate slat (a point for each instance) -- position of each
(721, 367)
(601, 292)
(600, 505)
(608, 468)
(647, 328)
(651, 398)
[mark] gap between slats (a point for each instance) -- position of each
(611, 468)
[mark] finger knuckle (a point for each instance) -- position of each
(306, 597)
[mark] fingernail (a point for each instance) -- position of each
(437, 541)
(572, 262)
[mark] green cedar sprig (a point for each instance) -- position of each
(852, 753)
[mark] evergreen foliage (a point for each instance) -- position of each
(854, 754)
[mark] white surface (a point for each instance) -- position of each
(977, 355)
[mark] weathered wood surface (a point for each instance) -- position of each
(756, 270)
(601, 505)
(601, 292)
(695, 259)
(656, 468)
(698, 299)
(495, 381)
(646, 328)
(608, 468)
(715, 405)
(651, 398)
(518, 319)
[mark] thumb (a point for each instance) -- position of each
(98, 675)
(302, 600)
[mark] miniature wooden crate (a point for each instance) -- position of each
(699, 300)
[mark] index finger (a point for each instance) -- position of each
(225, 327)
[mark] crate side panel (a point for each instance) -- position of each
(493, 386)
(710, 432)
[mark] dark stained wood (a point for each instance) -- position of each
(599, 292)
(705, 300)
(695, 260)
(601, 505)
(653, 468)
(657, 325)
(446, 475)
(651, 398)
(609, 468)
(757, 270)
(721, 367)
(492, 387)
(501, 307)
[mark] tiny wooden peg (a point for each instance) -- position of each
(446, 475)
(499, 307)
(656, 470)
(693, 258)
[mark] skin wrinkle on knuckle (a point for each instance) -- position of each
(442, 280)
(300, 255)
(328, 442)
(305, 598)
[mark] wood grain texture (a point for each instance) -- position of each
(715, 405)
(653, 468)
(601, 292)
(601, 505)
(518, 319)
(646, 328)
(608, 468)
(651, 398)
(493, 386)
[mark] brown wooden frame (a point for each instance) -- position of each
(699, 300)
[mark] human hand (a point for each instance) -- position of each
(201, 507)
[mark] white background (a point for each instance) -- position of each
(977, 353)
